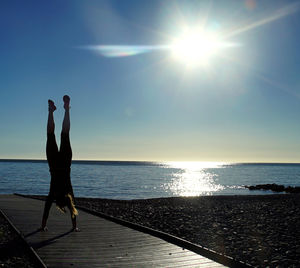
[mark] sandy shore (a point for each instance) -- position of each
(260, 230)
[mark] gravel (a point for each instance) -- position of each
(13, 252)
(261, 230)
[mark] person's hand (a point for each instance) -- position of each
(44, 229)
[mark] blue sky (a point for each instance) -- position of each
(243, 106)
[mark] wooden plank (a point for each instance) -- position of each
(101, 243)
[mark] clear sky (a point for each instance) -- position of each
(241, 105)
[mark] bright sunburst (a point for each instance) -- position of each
(196, 46)
(199, 46)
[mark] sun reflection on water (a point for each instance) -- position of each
(193, 178)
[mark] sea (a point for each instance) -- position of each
(126, 180)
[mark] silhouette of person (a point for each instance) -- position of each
(59, 162)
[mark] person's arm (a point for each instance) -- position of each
(48, 204)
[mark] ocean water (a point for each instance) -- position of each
(139, 180)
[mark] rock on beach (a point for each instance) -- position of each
(275, 188)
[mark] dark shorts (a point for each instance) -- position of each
(59, 162)
(62, 158)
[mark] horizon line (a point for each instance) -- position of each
(147, 161)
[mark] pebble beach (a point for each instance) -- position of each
(261, 230)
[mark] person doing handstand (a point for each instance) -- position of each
(59, 162)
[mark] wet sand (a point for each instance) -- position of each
(262, 230)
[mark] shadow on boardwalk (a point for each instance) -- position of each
(49, 241)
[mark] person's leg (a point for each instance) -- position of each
(50, 123)
(66, 122)
(65, 145)
(51, 147)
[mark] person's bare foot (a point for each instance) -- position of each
(51, 106)
(66, 100)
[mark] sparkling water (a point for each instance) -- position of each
(136, 180)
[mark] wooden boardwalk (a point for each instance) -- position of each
(101, 243)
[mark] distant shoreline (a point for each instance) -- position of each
(103, 162)
(154, 163)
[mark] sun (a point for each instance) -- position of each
(196, 46)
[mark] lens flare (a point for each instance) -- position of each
(112, 51)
